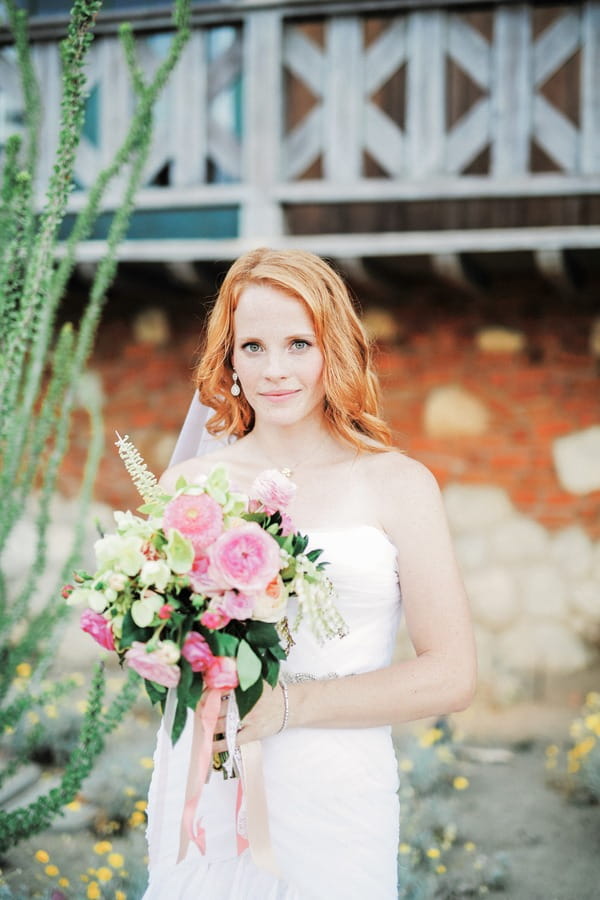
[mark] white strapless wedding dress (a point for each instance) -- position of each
(331, 793)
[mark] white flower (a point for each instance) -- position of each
(128, 524)
(81, 595)
(144, 609)
(155, 572)
(97, 601)
(116, 581)
(271, 606)
(169, 652)
(122, 553)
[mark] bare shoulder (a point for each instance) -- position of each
(402, 485)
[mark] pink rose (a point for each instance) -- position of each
(237, 605)
(166, 611)
(272, 604)
(197, 652)
(222, 673)
(246, 558)
(198, 517)
(273, 490)
(214, 618)
(98, 627)
(153, 665)
(200, 579)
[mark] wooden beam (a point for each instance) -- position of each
(411, 243)
(554, 265)
(453, 269)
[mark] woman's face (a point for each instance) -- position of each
(276, 356)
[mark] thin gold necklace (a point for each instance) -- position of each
(288, 471)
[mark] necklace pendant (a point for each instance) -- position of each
(285, 470)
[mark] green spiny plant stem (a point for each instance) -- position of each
(27, 821)
(36, 314)
(31, 95)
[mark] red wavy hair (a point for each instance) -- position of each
(352, 393)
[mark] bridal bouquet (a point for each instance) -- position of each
(195, 595)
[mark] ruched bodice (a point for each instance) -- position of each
(331, 792)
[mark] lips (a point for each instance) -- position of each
(278, 395)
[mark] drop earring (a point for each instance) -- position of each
(235, 388)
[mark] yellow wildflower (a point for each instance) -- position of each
(146, 762)
(33, 718)
(592, 723)
(102, 847)
(51, 870)
(120, 895)
(84, 878)
(104, 873)
(460, 783)
(51, 711)
(23, 670)
(573, 766)
(116, 860)
(42, 856)
(129, 791)
(440, 869)
(576, 729)
(81, 706)
(404, 849)
(141, 804)
(64, 882)
(93, 891)
(74, 805)
(552, 750)
(136, 818)
(469, 846)
(593, 699)
(433, 853)
(430, 737)
(406, 765)
(551, 763)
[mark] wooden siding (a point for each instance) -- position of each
(414, 131)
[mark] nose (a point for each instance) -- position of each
(275, 365)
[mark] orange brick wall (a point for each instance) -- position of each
(549, 389)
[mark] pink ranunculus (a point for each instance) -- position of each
(166, 611)
(197, 652)
(273, 490)
(222, 673)
(214, 618)
(153, 664)
(198, 517)
(287, 526)
(237, 605)
(99, 628)
(246, 558)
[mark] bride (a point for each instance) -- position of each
(286, 370)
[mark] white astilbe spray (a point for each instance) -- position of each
(144, 480)
(316, 602)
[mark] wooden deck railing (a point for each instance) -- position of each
(280, 111)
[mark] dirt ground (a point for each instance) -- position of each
(552, 845)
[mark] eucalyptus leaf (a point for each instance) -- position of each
(248, 665)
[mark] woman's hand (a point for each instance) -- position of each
(263, 720)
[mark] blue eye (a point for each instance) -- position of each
(300, 345)
(251, 346)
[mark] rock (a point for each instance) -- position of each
(500, 340)
(543, 592)
(584, 599)
(493, 598)
(23, 779)
(545, 646)
(577, 460)
(517, 539)
(471, 508)
(452, 411)
(152, 327)
(381, 325)
(472, 551)
(573, 550)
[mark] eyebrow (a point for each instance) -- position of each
(295, 336)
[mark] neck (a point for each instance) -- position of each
(288, 447)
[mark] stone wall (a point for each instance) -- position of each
(500, 398)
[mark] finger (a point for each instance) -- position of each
(219, 745)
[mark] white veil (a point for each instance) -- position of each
(194, 439)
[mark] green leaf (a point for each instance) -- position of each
(248, 665)
(247, 699)
(222, 644)
(314, 555)
(270, 669)
(261, 634)
(277, 652)
(132, 632)
(155, 691)
(179, 721)
(179, 552)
